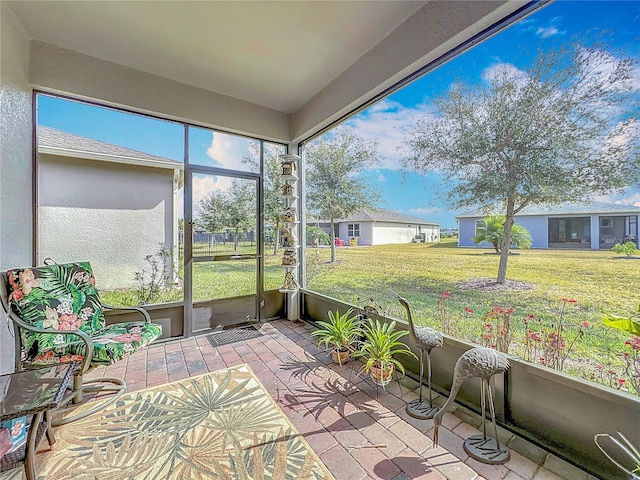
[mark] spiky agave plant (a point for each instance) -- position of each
(339, 333)
(381, 344)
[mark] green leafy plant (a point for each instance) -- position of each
(627, 248)
(317, 236)
(155, 283)
(381, 344)
(339, 333)
(491, 230)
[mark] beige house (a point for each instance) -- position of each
(91, 193)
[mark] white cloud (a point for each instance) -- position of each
(203, 185)
(603, 65)
(228, 151)
(504, 69)
(381, 178)
(631, 196)
(424, 211)
(546, 32)
(388, 124)
(633, 199)
(625, 133)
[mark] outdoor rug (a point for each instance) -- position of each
(232, 335)
(221, 425)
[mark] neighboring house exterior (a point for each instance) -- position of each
(380, 226)
(591, 225)
(105, 203)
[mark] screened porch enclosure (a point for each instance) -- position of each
(570, 232)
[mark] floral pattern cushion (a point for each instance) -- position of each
(64, 297)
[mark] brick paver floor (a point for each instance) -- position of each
(359, 432)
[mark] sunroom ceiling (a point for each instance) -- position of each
(275, 54)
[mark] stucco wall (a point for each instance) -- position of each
(110, 214)
(366, 233)
(466, 230)
(538, 228)
(15, 159)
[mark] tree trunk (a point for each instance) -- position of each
(506, 241)
(333, 241)
(276, 239)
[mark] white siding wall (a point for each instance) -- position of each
(15, 159)
(110, 214)
(384, 233)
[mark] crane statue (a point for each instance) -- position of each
(479, 362)
(425, 339)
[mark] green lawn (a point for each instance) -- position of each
(599, 281)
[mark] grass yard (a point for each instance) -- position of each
(599, 281)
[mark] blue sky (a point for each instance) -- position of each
(387, 121)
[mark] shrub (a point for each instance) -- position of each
(317, 236)
(627, 248)
(155, 284)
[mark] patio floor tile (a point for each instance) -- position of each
(359, 430)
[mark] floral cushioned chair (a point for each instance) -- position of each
(59, 317)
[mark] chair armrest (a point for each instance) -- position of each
(140, 310)
(86, 339)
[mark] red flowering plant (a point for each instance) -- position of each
(497, 329)
(551, 344)
(451, 324)
(444, 314)
(605, 375)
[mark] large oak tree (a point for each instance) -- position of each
(564, 129)
(334, 188)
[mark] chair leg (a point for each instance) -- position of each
(77, 388)
(117, 388)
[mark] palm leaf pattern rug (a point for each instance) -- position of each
(221, 425)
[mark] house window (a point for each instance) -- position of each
(479, 224)
(570, 231)
(353, 229)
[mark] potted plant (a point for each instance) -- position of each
(379, 347)
(339, 334)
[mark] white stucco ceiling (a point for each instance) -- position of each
(272, 53)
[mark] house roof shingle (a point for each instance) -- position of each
(569, 208)
(383, 215)
(64, 141)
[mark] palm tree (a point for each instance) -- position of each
(491, 230)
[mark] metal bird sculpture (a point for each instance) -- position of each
(425, 339)
(479, 362)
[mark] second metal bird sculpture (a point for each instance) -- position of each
(425, 339)
(481, 362)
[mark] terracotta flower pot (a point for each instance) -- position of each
(340, 356)
(381, 376)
